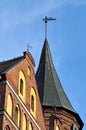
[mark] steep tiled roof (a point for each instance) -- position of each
(7, 65)
(50, 89)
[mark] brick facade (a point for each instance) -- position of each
(47, 118)
(10, 86)
(60, 117)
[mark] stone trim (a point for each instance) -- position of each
(8, 117)
(21, 102)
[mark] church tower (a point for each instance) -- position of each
(34, 102)
(57, 109)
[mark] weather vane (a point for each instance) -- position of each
(28, 47)
(46, 19)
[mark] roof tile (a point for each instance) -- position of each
(6, 65)
(49, 86)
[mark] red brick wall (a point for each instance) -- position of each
(60, 117)
(63, 118)
(12, 77)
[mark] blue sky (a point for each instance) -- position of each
(21, 23)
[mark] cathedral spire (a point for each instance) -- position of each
(50, 90)
(49, 86)
(54, 101)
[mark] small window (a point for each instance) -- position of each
(30, 126)
(57, 127)
(74, 127)
(9, 105)
(29, 71)
(24, 126)
(32, 103)
(17, 115)
(7, 128)
(21, 87)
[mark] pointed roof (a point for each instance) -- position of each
(5, 66)
(50, 89)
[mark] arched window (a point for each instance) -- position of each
(17, 115)
(9, 105)
(24, 123)
(29, 71)
(33, 102)
(22, 85)
(57, 127)
(30, 126)
(7, 128)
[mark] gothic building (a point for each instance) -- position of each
(34, 102)
(20, 107)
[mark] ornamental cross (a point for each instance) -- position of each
(28, 47)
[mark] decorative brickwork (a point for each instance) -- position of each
(29, 103)
(9, 86)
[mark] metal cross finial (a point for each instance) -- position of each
(46, 19)
(28, 47)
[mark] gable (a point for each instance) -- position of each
(13, 76)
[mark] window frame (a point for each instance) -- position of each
(9, 107)
(17, 115)
(24, 122)
(22, 86)
(33, 104)
(7, 127)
